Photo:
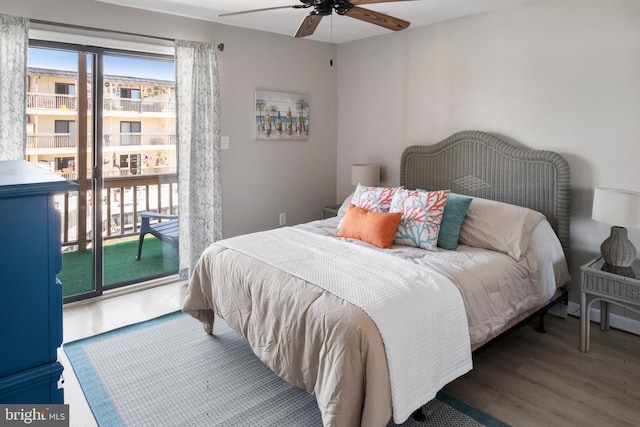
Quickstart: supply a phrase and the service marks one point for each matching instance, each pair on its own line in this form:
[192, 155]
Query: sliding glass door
[139, 164]
[105, 119]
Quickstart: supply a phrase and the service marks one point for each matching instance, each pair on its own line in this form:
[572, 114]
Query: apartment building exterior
[138, 124]
[138, 147]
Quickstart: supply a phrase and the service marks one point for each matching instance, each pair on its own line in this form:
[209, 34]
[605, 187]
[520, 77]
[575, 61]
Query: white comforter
[404, 299]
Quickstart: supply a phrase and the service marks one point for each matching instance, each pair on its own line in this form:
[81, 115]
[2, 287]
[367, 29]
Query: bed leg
[418, 415]
[541, 322]
[564, 299]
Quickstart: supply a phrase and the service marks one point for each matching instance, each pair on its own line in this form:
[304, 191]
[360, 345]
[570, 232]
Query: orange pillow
[372, 227]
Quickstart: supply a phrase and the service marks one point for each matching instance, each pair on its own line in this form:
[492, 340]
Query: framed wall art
[281, 116]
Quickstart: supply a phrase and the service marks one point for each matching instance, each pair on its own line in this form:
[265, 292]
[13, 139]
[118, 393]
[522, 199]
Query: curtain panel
[198, 135]
[14, 42]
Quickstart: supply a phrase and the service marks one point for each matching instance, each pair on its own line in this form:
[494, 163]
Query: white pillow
[345, 206]
[498, 226]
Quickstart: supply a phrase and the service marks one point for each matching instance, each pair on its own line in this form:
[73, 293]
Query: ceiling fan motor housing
[326, 7]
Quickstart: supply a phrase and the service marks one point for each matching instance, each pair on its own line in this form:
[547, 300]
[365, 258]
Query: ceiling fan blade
[359, 2]
[295, 6]
[309, 25]
[373, 17]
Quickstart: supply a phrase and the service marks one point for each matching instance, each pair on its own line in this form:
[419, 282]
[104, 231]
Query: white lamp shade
[365, 174]
[616, 207]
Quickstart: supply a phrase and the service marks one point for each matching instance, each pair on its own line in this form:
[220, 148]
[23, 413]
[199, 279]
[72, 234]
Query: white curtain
[198, 133]
[14, 41]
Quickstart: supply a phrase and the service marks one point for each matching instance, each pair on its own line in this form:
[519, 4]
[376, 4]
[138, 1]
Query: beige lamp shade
[616, 207]
[365, 174]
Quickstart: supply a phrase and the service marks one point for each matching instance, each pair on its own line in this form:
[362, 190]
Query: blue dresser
[30, 295]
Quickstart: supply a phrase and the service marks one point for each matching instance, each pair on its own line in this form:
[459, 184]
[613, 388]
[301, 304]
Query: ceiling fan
[349, 8]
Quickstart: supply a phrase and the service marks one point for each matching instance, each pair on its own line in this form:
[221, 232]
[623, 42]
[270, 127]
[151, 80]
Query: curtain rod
[220, 46]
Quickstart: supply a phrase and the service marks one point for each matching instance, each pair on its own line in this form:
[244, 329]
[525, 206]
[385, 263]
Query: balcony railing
[51, 101]
[138, 105]
[128, 139]
[40, 141]
[40, 101]
[123, 198]
[50, 141]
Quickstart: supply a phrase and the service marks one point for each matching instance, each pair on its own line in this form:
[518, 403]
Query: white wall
[560, 75]
[259, 179]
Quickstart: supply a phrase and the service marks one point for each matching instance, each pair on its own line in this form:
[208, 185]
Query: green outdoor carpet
[169, 372]
[120, 265]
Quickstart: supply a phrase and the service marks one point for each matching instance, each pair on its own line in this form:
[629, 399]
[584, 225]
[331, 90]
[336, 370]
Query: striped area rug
[168, 372]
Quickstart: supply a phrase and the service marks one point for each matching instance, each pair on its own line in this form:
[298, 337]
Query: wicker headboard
[478, 164]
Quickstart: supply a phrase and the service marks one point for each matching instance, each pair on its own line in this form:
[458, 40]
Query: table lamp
[619, 208]
[365, 174]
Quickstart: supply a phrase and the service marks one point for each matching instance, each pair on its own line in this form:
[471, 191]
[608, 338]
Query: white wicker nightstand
[607, 284]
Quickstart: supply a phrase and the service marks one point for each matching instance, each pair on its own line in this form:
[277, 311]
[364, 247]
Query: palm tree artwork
[274, 116]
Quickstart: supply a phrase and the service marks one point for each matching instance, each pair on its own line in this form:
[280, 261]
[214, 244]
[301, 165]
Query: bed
[375, 333]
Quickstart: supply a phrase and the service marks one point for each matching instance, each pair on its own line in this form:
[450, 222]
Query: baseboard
[615, 320]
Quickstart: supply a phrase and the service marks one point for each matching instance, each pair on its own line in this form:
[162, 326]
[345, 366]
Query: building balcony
[44, 143]
[120, 266]
[158, 259]
[47, 103]
[38, 101]
[138, 106]
[123, 198]
[121, 202]
[139, 139]
[49, 141]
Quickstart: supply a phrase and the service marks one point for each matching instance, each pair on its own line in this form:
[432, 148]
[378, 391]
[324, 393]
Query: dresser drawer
[33, 386]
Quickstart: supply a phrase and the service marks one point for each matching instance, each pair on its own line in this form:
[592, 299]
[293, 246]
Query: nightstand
[330, 211]
[607, 284]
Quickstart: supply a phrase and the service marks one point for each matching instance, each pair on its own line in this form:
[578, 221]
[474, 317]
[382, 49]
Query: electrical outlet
[283, 219]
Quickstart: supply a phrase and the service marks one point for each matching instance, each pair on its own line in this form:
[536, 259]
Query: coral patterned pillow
[421, 217]
[377, 199]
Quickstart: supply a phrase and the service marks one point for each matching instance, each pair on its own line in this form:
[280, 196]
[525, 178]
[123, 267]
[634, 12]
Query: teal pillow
[453, 215]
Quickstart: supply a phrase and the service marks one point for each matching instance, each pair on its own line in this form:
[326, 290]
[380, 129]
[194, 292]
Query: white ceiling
[334, 28]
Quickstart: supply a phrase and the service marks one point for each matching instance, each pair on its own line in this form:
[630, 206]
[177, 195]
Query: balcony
[138, 106]
[38, 101]
[123, 198]
[120, 266]
[139, 139]
[42, 142]
[56, 103]
[50, 141]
